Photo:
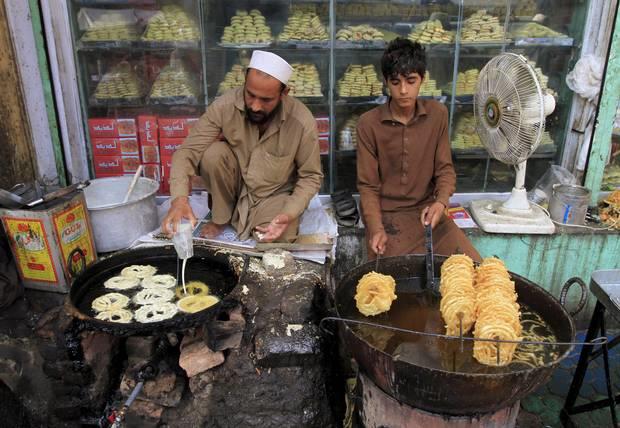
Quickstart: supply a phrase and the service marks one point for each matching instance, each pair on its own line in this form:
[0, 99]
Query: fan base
[492, 217]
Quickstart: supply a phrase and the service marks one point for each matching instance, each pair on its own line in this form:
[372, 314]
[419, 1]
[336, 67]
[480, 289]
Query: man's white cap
[271, 64]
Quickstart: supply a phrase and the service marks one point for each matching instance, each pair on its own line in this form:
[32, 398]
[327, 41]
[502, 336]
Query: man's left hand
[432, 214]
[275, 229]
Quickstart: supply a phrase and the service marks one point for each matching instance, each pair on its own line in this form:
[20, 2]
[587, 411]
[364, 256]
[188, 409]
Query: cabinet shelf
[136, 45]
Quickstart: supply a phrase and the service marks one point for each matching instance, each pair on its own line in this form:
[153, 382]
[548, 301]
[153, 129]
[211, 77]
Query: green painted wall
[549, 260]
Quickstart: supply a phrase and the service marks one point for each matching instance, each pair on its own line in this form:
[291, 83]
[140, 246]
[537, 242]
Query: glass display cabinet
[160, 63]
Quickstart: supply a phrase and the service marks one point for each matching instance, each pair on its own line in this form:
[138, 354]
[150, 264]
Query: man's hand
[378, 242]
[179, 209]
[273, 230]
[432, 214]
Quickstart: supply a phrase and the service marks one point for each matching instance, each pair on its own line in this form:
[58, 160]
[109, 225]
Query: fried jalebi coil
[375, 293]
[121, 283]
[498, 314]
[458, 297]
[156, 312]
[193, 288]
[150, 296]
[193, 304]
[159, 281]
[139, 271]
[110, 301]
[115, 315]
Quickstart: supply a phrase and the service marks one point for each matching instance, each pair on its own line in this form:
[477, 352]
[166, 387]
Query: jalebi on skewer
[375, 293]
[458, 297]
[498, 315]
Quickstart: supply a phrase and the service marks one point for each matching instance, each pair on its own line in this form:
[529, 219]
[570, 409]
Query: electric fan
[510, 106]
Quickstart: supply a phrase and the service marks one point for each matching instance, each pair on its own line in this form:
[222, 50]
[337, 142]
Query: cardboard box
[112, 128]
[152, 171]
[322, 124]
[167, 146]
[175, 127]
[115, 146]
[149, 154]
[166, 164]
[115, 165]
[324, 145]
[147, 130]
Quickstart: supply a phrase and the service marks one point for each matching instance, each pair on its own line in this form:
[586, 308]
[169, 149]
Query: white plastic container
[116, 225]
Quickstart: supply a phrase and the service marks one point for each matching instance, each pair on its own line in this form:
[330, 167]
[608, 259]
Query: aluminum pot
[116, 225]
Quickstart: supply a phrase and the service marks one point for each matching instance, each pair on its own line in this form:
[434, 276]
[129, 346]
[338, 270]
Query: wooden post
[17, 158]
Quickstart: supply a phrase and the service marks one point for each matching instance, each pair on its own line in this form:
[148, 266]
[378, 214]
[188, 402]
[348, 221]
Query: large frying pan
[439, 390]
[217, 270]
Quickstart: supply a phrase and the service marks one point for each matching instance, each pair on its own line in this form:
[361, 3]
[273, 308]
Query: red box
[166, 164]
[149, 154]
[115, 146]
[112, 128]
[147, 130]
[324, 145]
[116, 165]
[152, 171]
[322, 124]
[167, 146]
[175, 127]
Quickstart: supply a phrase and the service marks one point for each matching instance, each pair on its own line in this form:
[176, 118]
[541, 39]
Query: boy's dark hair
[403, 57]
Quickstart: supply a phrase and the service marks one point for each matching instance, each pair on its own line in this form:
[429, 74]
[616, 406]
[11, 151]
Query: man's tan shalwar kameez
[251, 177]
[401, 169]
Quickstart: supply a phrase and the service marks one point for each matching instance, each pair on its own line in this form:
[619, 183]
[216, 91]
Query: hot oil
[420, 312]
[219, 279]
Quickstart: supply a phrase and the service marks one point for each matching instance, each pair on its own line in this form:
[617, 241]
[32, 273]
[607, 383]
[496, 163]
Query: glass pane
[140, 66]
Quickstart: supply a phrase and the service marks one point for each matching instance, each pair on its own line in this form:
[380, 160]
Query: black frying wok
[216, 270]
[441, 390]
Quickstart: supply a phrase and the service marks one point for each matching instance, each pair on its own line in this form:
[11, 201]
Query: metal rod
[460, 315]
[497, 346]
[596, 341]
[377, 262]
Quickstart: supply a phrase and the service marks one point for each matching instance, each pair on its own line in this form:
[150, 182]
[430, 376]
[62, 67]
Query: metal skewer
[377, 262]
[460, 316]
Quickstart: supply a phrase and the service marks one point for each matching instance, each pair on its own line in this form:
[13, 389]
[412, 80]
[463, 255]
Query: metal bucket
[116, 225]
[569, 203]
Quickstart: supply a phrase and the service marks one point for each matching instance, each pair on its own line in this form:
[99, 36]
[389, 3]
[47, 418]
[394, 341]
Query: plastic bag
[585, 79]
[541, 193]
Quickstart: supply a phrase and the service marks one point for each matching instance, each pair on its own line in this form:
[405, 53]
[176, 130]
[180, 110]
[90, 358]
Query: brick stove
[262, 363]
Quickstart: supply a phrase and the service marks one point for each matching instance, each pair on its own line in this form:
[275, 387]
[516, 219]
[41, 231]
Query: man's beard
[260, 117]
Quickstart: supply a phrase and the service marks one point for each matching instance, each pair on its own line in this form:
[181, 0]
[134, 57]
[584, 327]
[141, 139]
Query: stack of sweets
[465, 135]
[348, 134]
[171, 24]
[466, 82]
[111, 26]
[120, 82]
[431, 32]
[358, 33]
[304, 81]
[481, 27]
[303, 26]
[429, 87]
[360, 81]
[247, 28]
[235, 78]
[174, 81]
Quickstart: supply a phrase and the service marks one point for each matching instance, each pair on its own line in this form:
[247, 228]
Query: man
[405, 175]
[263, 175]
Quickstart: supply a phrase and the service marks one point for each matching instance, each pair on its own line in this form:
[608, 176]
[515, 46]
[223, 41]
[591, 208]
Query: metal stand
[605, 301]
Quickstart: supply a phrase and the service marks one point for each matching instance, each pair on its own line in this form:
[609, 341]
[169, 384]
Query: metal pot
[218, 271]
[117, 224]
[440, 390]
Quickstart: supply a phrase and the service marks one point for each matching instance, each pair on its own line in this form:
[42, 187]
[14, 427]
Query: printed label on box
[129, 146]
[112, 128]
[31, 249]
[147, 130]
[322, 124]
[167, 146]
[324, 145]
[175, 127]
[106, 146]
[115, 165]
[152, 171]
[75, 239]
[150, 154]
